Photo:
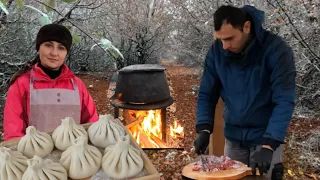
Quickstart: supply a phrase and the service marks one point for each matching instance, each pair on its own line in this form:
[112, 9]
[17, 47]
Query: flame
[176, 129]
[151, 125]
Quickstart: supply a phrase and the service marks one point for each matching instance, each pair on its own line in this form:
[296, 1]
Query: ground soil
[184, 82]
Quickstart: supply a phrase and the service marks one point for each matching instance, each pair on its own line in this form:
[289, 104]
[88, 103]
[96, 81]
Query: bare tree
[138, 28]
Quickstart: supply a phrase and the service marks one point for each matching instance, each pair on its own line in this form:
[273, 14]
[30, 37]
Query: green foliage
[105, 43]
[20, 3]
[76, 38]
[114, 52]
[3, 7]
[45, 20]
[69, 27]
[44, 17]
[3, 2]
[50, 4]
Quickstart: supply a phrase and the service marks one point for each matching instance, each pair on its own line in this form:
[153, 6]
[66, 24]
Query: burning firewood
[143, 138]
[158, 141]
[137, 121]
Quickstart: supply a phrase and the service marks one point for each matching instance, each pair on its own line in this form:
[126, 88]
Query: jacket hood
[258, 18]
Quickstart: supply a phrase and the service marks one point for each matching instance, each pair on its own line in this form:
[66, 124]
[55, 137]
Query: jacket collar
[39, 74]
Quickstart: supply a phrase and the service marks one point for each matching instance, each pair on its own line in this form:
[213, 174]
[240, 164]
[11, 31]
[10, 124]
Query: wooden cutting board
[233, 174]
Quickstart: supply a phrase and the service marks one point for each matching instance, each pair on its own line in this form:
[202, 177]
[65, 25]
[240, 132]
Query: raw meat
[214, 163]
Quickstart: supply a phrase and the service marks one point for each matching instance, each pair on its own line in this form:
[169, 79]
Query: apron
[49, 106]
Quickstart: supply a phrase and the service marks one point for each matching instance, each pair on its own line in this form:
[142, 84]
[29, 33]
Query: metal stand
[164, 124]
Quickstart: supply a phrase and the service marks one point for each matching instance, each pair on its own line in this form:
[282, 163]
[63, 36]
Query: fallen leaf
[313, 176]
[171, 155]
[154, 155]
[301, 172]
[184, 152]
[177, 175]
[291, 173]
[167, 162]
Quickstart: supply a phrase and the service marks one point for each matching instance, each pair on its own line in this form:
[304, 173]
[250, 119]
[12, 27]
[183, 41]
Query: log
[160, 143]
[143, 138]
[136, 122]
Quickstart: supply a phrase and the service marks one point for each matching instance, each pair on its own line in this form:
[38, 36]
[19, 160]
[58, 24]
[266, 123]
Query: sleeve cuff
[274, 144]
[201, 127]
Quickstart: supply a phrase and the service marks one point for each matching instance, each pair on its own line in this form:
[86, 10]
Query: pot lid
[142, 68]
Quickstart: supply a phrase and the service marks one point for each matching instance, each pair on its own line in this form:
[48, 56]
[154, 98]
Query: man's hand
[267, 146]
[261, 160]
[201, 142]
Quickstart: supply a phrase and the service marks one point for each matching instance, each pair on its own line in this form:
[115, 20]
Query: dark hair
[27, 67]
[230, 15]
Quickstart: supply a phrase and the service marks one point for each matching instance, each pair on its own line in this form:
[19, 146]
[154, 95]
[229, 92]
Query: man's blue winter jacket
[257, 87]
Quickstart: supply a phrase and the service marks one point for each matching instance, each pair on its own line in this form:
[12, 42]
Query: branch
[75, 26]
[304, 87]
[15, 64]
[194, 26]
[3, 16]
[297, 31]
[314, 65]
[87, 5]
[8, 42]
[68, 14]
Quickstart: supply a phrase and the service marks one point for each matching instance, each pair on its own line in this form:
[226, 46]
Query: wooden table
[254, 178]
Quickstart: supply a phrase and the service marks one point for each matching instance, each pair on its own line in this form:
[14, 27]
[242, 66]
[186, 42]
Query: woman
[46, 90]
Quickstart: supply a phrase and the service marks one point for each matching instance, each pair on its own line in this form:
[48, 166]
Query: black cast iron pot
[142, 86]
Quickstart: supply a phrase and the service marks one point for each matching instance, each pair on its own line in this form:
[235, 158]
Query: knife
[203, 161]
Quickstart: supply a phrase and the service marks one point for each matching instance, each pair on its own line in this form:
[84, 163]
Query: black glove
[277, 172]
[261, 160]
[201, 142]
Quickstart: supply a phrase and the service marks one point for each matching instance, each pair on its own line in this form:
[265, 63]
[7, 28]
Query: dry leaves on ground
[184, 82]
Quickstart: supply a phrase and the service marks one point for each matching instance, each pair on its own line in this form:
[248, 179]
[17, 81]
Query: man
[253, 71]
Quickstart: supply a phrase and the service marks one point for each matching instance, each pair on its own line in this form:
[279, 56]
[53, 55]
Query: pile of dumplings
[79, 159]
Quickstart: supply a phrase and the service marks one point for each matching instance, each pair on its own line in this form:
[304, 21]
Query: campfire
[149, 129]
[140, 100]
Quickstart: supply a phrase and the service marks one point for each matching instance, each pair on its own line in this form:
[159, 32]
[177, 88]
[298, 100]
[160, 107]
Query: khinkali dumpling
[122, 160]
[66, 133]
[35, 143]
[105, 131]
[12, 164]
[81, 160]
[39, 169]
